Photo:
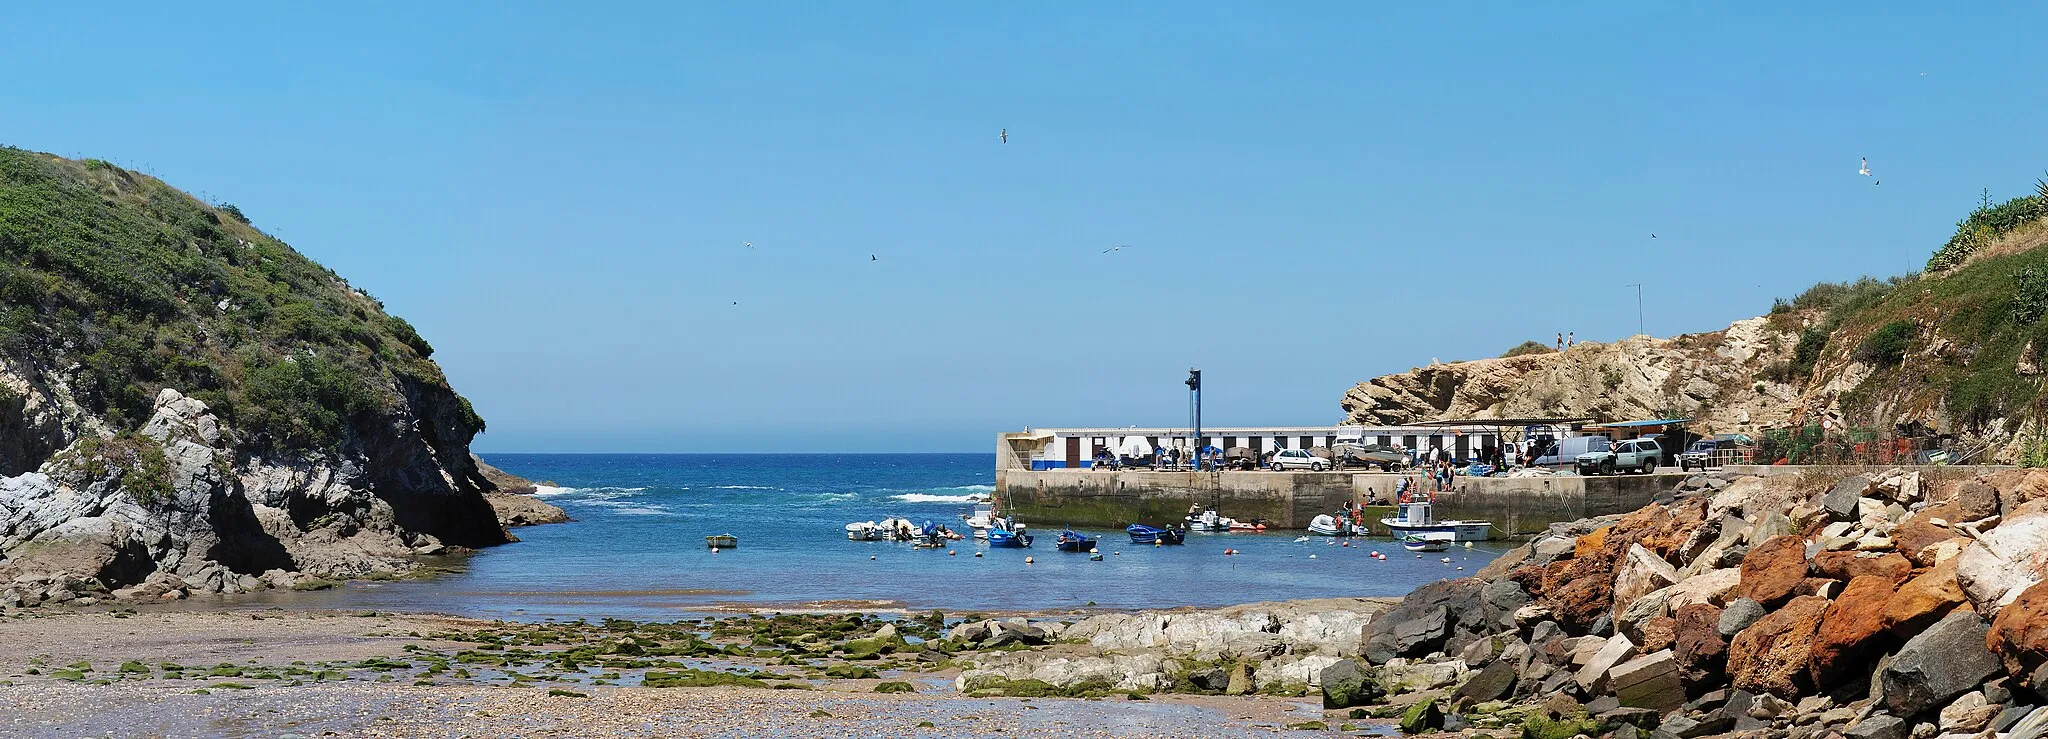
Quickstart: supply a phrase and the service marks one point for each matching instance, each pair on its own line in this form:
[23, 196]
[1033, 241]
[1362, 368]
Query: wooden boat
[1070, 541]
[1142, 534]
[721, 541]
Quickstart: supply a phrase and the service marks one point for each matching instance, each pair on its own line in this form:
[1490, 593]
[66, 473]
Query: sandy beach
[186, 673]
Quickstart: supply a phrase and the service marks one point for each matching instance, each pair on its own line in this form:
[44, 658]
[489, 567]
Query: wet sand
[277, 673]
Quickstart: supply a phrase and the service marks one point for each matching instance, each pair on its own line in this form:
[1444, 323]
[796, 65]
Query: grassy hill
[118, 285]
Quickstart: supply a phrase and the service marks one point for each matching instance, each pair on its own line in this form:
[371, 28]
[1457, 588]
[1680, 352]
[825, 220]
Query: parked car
[1564, 452]
[1286, 459]
[1641, 455]
[1715, 451]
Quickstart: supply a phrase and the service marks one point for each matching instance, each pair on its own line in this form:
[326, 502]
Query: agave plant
[2041, 186]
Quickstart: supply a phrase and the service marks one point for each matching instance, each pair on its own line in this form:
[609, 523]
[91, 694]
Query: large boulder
[1773, 654]
[1976, 500]
[1426, 620]
[2019, 635]
[1773, 570]
[1699, 648]
[1739, 615]
[1940, 663]
[1840, 503]
[2005, 560]
[1710, 587]
[1852, 629]
[1641, 574]
[1924, 600]
[1648, 681]
[1349, 683]
[1492, 683]
[1614, 651]
[1847, 566]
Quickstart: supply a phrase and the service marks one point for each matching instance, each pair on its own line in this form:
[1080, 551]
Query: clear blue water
[636, 548]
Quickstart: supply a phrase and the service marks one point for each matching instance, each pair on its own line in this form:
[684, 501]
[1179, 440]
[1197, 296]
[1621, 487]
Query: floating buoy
[950, 553]
[1461, 567]
[1468, 545]
[1094, 550]
[1375, 553]
[977, 554]
[1155, 542]
[1117, 553]
[1027, 560]
[870, 557]
[1311, 556]
[1447, 560]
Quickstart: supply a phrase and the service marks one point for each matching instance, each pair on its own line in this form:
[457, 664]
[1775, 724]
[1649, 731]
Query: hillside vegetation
[143, 287]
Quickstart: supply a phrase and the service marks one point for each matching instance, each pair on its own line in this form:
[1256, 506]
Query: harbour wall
[1517, 506]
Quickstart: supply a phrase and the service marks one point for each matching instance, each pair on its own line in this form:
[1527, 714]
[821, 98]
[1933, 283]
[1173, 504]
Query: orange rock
[1852, 630]
[1772, 570]
[1848, 566]
[1658, 634]
[2019, 635]
[1923, 600]
[1914, 535]
[1587, 545]
[1698, 646]
[1773, 654]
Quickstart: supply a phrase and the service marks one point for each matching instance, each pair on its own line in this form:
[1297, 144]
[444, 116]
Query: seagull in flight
[1005, 135]
[1653, 236]
[1118, 247]
[749, 244]
[1865, 170]
[873, 258]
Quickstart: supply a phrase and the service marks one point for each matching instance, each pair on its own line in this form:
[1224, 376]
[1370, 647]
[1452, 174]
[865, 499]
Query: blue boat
[1002, 537]
[1142, 534]
[1073, 542]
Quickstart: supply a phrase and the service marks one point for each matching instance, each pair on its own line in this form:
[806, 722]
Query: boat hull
[1075, 543]
[1459, 530]
[724, 541]
[1007, 539]
[1149, 535]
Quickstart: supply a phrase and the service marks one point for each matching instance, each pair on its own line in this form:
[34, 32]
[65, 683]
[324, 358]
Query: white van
[1567, 450]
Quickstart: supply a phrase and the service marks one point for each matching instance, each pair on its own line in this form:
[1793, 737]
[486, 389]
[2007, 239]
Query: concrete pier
[1517, 506]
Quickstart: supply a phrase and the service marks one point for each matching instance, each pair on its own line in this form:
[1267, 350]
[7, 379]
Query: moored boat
[981, 519]
[1328, 525]
[863, 531]
[1433, 542]
[1011, 536]
[721, 541]
[1071, 541]
[1417, 517]
[1142, 534]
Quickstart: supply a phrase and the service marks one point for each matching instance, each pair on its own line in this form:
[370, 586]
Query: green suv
[1640, 455]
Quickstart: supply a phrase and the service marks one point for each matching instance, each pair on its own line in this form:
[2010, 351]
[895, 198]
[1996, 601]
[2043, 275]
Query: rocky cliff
[190, 403]
[1955, 351]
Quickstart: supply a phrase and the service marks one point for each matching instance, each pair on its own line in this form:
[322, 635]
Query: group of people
[1565, 340]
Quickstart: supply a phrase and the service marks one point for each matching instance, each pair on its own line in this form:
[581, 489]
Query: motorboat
[1013, 536]
[899, 529]
[1328, 525]
[978, 522]
[1071, 541]
[721, 541]
[1418, 517]
[1208, 521]
[1430, 542]
[863, 531]
[1142, 534]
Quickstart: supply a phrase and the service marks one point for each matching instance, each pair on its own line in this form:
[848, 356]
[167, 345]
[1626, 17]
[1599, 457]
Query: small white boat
[1328, 525]
[899, 529]
[981, 519]
[863, 531]
[1416, 517]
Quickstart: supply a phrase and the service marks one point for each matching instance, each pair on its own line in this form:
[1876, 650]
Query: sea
[636, 548]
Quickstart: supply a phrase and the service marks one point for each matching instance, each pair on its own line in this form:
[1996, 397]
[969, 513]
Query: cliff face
[183, 396]
[1713, 376]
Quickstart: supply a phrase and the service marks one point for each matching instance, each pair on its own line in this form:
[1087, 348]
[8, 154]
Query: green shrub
[2030, 295]
[1804, 354]
[233, 212]
[1886, 347]
[1985, 224]
[1527, 348]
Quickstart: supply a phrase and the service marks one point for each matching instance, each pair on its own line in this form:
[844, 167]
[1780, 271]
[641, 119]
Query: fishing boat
[1070, 541]
[863, 531]
[1009, 535]
[721, 541]
[1208, 521]
[898, 529]
[1432, 542]
[1328, 525]
[1142, 534]
[1417, 517]
[981, 519]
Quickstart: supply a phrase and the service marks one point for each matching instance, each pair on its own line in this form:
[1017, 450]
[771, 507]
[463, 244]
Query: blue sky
[1315, 193]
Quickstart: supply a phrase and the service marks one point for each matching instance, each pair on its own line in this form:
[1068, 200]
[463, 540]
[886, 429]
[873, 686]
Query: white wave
[551, 491]
[742, 487]
[929, 498]
[639, 510]
[982, 488]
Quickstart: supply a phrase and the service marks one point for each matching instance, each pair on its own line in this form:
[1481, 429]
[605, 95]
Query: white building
[1076, 448]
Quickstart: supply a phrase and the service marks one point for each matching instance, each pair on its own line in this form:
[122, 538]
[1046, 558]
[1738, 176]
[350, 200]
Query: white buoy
[977, 554]
[1447, 560]
[1094, 550]
[951, 553]
[1027, 560]
[1468, 545]
[1311, 556]
[871, 557]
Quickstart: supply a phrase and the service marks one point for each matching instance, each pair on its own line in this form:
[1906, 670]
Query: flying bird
[1865, 170]
[1118, 247]
[749, 244]
[1005, 135]
[1653, 236]
[873, 258]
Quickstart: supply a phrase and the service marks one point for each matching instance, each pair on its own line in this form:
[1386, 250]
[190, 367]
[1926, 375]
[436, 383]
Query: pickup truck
[1640, 455]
